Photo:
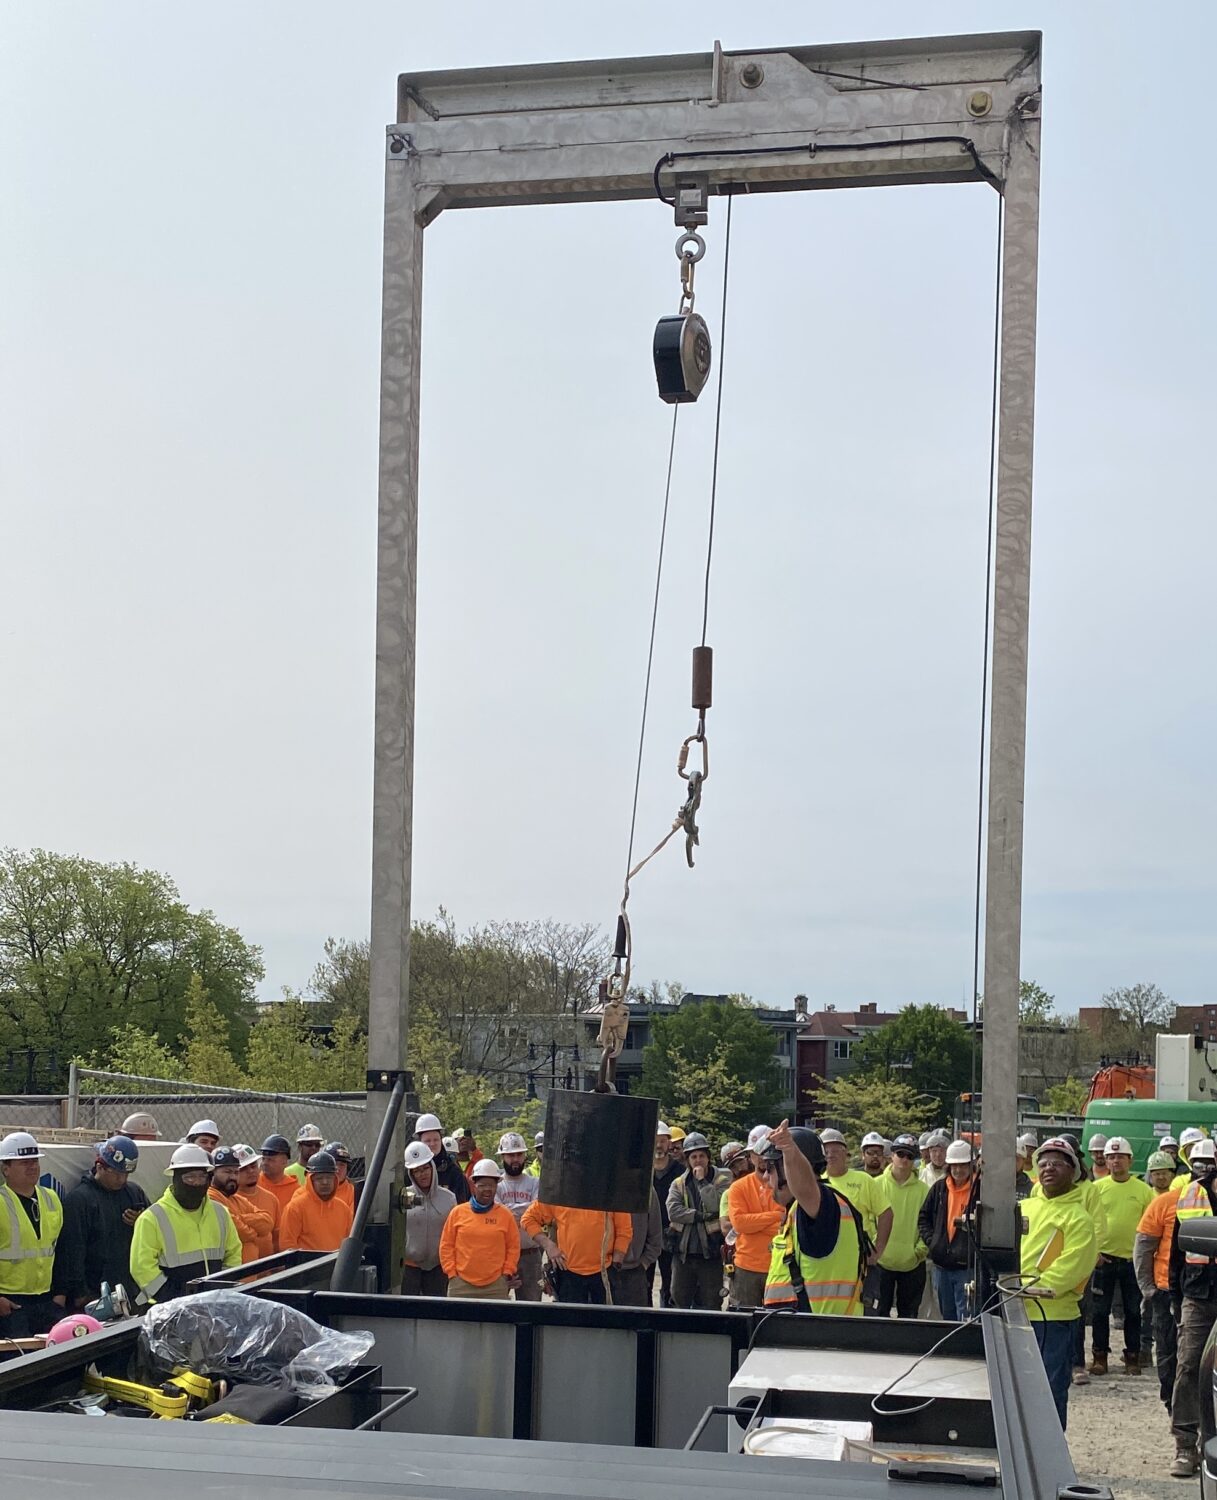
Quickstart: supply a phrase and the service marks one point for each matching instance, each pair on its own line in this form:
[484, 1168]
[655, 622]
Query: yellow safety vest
[26, 1258]
[832, 1282]
[170, 1247]
[1194, 1204]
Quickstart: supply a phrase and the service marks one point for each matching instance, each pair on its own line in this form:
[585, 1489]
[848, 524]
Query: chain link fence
[101, 1101]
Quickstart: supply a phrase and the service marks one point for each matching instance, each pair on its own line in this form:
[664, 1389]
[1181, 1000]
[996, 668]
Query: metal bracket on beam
[381, 1080]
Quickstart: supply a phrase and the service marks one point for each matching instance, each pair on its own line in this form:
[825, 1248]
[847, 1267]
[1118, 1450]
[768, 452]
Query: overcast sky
[190, 240]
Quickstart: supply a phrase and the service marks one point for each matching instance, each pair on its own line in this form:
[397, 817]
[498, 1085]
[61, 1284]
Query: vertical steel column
[1008, 711]
[396, 579]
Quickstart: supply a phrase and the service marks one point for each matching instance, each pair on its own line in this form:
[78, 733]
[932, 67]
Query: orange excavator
[1122, 1081]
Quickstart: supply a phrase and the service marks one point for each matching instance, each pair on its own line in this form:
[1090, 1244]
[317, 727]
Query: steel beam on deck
[936, 110]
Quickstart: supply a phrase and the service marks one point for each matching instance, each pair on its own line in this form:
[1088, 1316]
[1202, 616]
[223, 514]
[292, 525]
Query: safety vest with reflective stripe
[1194, 1203]
[831, 1283]
[172, 1247]
[26, 1257]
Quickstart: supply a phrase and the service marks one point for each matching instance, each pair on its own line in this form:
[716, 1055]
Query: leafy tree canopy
[727, 1042]
[857, 1103]
[925, 1048]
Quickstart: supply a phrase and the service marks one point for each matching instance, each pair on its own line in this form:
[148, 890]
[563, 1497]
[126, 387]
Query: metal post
[1008, 713]
[73, 1095]
[397, 539]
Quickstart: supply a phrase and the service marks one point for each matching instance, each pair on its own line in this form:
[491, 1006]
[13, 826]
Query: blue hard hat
[120, 1153]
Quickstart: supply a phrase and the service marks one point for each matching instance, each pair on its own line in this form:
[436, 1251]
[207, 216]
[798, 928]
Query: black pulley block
[682, 356]
[599, 1150]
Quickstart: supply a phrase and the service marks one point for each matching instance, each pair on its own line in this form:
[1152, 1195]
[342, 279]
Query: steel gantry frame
[937, 110]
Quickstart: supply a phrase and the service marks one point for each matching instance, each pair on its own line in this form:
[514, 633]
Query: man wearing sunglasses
[901, 1268]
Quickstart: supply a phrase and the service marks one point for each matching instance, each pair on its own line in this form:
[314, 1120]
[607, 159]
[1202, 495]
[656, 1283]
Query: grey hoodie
[425, 1224]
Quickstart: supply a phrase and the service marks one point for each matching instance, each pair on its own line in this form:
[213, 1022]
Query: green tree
[857, 1103]
[87, 947]
[925, 1048]
[1068, 1098]
[1036, 1007]
[129, 1050]
[207, 1057]
[457, 1097]
[705, 1095]
[1133, 1015]
[714, 1030]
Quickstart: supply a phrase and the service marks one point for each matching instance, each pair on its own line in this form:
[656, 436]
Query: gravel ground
[1119, 1434]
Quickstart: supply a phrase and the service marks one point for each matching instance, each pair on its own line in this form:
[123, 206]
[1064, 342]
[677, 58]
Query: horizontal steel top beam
[936, 110]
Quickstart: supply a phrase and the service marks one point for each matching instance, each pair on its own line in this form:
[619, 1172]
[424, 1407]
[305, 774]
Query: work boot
[1098, 1364]
[1081, 1376]
[1186, 1464]
[1132, 1364]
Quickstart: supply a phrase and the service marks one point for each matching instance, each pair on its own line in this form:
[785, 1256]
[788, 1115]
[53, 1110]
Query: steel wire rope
[718, 419]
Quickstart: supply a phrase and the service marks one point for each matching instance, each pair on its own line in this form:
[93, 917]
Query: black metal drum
[599, 1150]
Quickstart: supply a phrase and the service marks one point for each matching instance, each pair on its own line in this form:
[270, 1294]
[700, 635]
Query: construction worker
[538, 1145]
[628, 1281]
[665, 1169]
[1028, 1144]
[864, 1192]
[204, 1133]
[940, 1227]
[1193, 1284]
[428, 1129]
[276, 1153]
[694, 1212]
[255, 1226]
[1093, 1202]
[934, 1168]
[1097, 1146]
[582, 1244]
[251, 1191]
[342, 1160]
[31, 1218]
[1188, 1140]
[309, 1141]
[901, 1267]
[427, 1208]
[99, 1217]
[1170, 1145]
[183, 1235]
[816, 1260]
[677, 1146]
[874, 1154]
[754, 1216]
[1152, 1262]
[480, 1246]
[1125, 1198]
[139, 1127]
[736, 1158]
[1057, 1252]
[467, 1153]
[316, 1218]
[517, 1191]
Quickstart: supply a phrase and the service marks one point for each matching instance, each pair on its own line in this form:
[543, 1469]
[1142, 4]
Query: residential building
[826, 1043]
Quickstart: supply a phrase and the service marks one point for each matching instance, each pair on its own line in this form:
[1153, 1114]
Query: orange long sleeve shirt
[479, 1248]
[308, 1223]
[756, 1218]
[267, 1203]
[284, 1190]
[251, 1220]
[581, 1233]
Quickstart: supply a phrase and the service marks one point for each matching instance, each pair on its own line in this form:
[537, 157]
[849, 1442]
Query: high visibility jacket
[756, 1217]
[830, 1284]
[865, 1193]
[313, 1223]
[905, 1249]
[1192, 1274]
[1123, 1203]
[297, 1171]
[284, 1190]
[1092, 1200]
[1057, 1253]
[26, 1258]
[533, 1169]
[255, 1224]
[172, 1247]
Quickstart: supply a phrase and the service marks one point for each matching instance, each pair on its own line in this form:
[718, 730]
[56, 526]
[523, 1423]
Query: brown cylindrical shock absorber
[703, 678]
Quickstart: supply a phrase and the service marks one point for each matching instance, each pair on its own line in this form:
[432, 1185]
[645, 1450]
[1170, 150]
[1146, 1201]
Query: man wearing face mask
[184, 1234]
[252, 1222]
[316, 1218]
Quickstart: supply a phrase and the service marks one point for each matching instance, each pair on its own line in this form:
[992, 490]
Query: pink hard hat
[75, 1327]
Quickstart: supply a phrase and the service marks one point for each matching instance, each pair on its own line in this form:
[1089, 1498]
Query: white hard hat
[1117, 1146]
[731, 1150]
[1191, 1135]
[309, 1133]
[139, 1124]
[959, 1151]
[512, 1141]
[938, 1138]
[418, 1155]
[758, 1134]
[1167, 1140]
[246, 1155]
[487, 1167]
[1205, 1150]
[831, 1138]
[539, 1138]
[871, 1138]
[187, 1157]
[1096, 1143]
[19, 1146]
[204, 1127]
[427, 1122]
[449, 1144]
[1027, 1141]
[662, 1129]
